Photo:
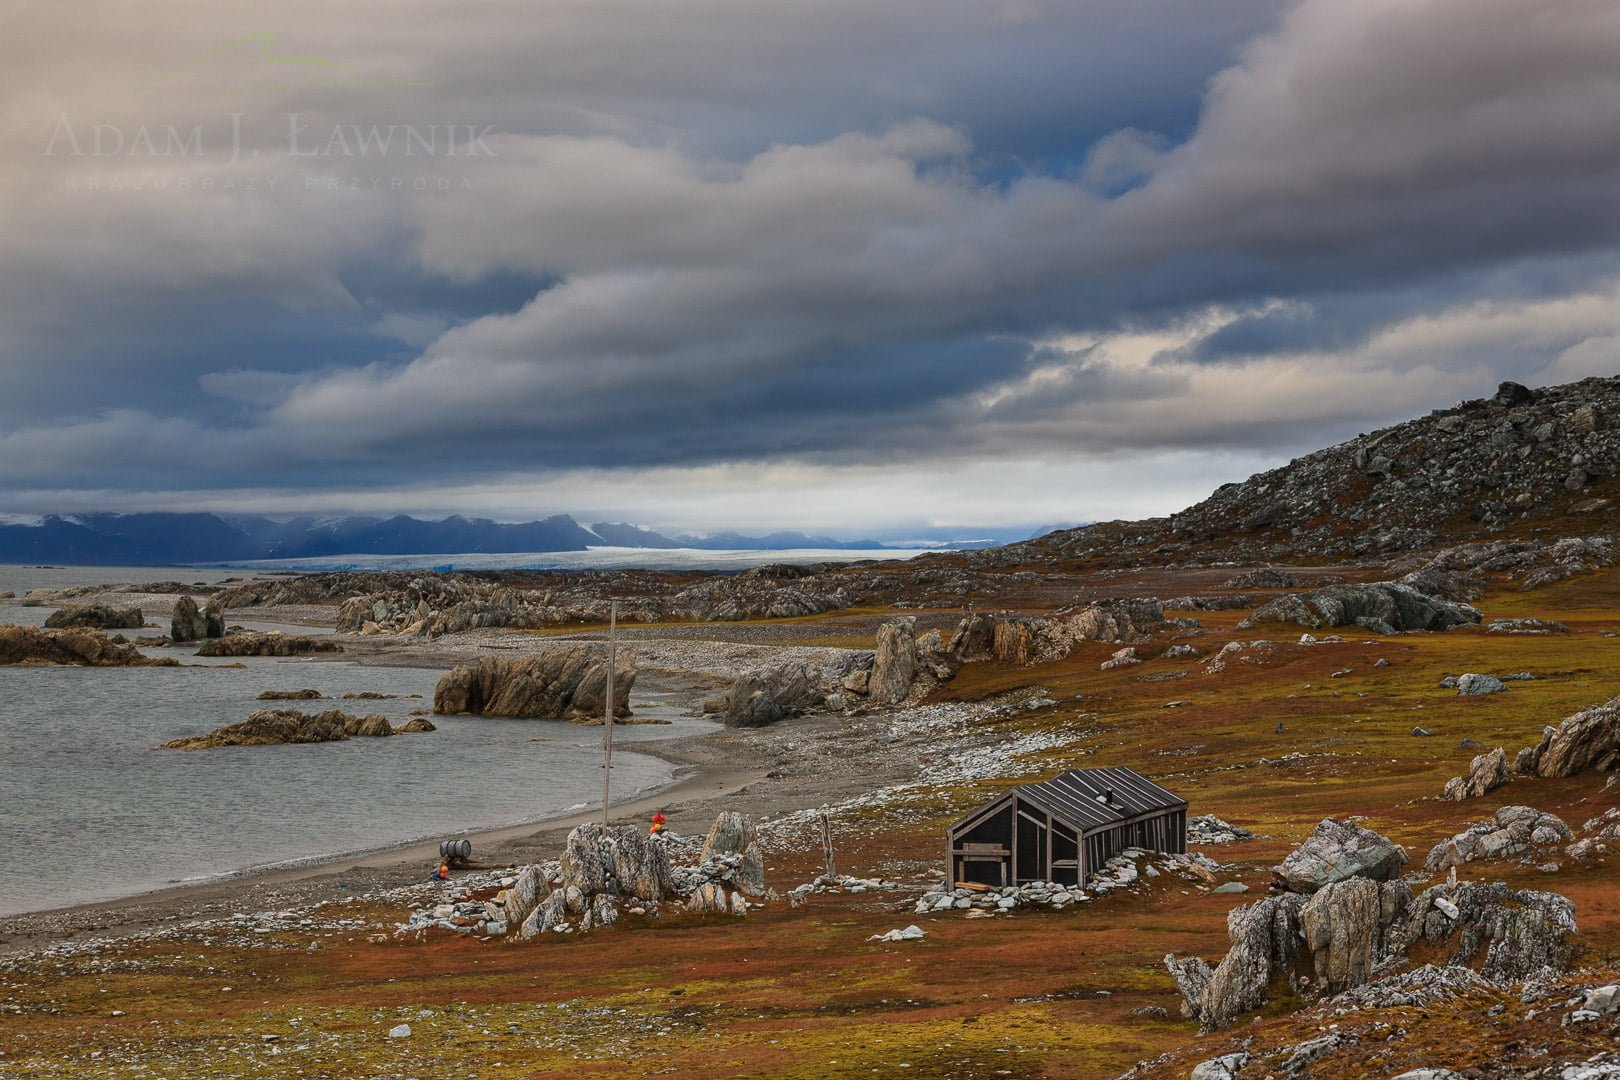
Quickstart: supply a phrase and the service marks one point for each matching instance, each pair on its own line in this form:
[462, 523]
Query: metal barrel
[455, 849]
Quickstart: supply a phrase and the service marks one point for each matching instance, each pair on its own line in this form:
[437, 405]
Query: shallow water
[93, 809]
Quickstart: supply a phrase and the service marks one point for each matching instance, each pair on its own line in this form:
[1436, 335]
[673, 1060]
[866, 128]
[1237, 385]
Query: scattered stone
[1209, 829]
[1421, 732]
[910, 933]
[1229, 888]
[402, 1031]
[1125, 657]
[1526, 626]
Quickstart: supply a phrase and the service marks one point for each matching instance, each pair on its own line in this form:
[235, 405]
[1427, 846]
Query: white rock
[403, 1031]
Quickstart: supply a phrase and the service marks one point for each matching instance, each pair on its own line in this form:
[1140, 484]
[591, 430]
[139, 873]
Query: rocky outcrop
[1589, 739]
[603, 868]
[267, 644]
[1341, 925]
[290, 695]
[1353, 927]
[1513, 831]
[1505, 934]
[187, 623]
[1015, 638]
[1459, 473]
[1487, 772]
[278, 727]
[96, 617]
[894, 662]
[1335, 851]
[732, 834]
[564, 682]
[758, 700]
[31, 645]
[1386, 607]
[415, 725]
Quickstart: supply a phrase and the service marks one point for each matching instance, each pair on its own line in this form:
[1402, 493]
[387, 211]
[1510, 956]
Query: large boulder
[761, 699]
[186, 622]
[96, 617]
[1487, 772]
[278, 727]
[1589, 739]
[567, 682]
[31, 645]
[267, 644]
[1384, 607]
[1335, 851]
[894, 664]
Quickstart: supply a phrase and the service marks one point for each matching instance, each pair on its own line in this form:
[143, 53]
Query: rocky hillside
[1519, 462]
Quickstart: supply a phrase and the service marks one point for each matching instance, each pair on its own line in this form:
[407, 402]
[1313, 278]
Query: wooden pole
[607, 709]
[827, 847]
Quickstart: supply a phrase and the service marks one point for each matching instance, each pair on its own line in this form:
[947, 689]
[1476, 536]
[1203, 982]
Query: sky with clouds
[895, 269]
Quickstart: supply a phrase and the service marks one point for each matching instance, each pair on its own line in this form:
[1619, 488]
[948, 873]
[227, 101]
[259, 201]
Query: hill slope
[1519, 462]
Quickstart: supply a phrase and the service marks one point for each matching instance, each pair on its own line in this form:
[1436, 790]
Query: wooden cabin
[1064, 829]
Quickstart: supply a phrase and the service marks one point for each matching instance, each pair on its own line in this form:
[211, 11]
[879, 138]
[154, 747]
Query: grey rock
[1473, 684]
[1339, 850]
[1486, 773]
[894, 666]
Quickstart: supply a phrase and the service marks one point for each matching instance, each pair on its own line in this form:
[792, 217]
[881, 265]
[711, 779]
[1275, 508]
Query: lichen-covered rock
[90, 648]
[1339, 850]
[1589, 739]
[96, 617]
[758, 700]
[1382, 606]
[1487, 772]
[1265, 939]
[1512, 831]
[186, 622]
[1506, 934]
[894, 664]
[1341, 924]
[733, 834]
[562, 682]
[524, 895]
[1473, 684]
[1123, 621]
[1125, 657]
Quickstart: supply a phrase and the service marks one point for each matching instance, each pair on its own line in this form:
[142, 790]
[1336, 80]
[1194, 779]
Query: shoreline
[392, 865]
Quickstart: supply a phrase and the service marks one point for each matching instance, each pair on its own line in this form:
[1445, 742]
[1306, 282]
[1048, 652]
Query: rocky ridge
[1483, 465]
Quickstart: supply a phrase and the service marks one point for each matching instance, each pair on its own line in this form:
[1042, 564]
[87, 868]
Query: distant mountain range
[111, 539]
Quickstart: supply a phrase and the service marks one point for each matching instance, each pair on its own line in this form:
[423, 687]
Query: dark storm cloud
[830, 234]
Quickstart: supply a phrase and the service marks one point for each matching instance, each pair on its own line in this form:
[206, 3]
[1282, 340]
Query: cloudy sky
[893, 269]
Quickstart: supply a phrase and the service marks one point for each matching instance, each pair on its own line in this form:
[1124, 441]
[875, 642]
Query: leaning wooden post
[607, 708]
[827, 848]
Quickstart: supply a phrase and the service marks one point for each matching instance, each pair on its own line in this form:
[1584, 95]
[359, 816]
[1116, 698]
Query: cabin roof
[1075, 798]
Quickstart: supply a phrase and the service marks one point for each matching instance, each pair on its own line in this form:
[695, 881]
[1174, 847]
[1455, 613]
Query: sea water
[92, 808]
